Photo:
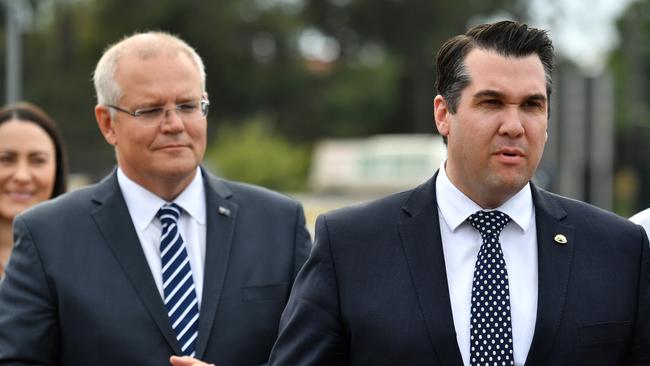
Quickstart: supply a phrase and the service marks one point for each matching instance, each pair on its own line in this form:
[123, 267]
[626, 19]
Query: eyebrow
[497, 94]
[39, 152]
[30, 153]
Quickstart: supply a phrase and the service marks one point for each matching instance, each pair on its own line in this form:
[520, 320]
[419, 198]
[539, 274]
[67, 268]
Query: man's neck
[166, 188]
[169, 190]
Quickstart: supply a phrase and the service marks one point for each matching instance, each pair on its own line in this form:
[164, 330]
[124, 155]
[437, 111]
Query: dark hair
[28, 112]
[507, 38]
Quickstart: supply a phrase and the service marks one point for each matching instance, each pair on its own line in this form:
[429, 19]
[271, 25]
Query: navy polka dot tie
[490, 324]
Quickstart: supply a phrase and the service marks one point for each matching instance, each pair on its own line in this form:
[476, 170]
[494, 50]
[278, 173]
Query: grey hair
[108, 90]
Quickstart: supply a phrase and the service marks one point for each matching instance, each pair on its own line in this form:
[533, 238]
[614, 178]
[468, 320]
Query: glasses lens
[188, 112]
[150, 115]
[205, 107]
[192, 111]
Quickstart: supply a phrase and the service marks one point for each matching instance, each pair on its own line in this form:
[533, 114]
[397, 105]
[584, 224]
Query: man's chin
[178, 170]
[509, 183]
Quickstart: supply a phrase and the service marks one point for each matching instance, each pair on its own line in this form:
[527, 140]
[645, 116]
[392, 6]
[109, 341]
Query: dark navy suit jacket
[374, 290]
[78, 289]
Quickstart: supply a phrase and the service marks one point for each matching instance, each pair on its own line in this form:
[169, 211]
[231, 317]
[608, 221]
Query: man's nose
[172, 121]
[512, 123]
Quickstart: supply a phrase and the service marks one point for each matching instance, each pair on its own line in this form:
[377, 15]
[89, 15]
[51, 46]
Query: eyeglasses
[188, 112]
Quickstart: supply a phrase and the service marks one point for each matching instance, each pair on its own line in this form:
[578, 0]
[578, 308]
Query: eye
[7, 159]
[490, 103]
[533, 104]
[152, 112]
[38, 159]
[188, 107]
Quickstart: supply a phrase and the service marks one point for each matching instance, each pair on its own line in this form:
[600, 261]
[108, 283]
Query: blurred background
[330, 101]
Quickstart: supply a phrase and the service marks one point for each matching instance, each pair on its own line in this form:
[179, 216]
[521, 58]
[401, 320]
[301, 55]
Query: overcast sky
[582, 30]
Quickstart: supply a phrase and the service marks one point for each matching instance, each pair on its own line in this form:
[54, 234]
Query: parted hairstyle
[28, 112]
[507, 38]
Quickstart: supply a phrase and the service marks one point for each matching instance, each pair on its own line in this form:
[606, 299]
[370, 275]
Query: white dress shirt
[143, 206]
[461, 243]
[642, 218]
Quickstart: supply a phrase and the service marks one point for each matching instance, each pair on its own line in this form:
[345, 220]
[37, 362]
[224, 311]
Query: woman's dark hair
[28, 112]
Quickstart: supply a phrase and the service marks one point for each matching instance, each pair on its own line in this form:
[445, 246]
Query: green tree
[410, 31]
[254, 153]
[630, 64]
[381, 82]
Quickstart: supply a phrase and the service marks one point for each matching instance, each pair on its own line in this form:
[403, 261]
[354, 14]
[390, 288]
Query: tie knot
[489, 223]
[169, 212]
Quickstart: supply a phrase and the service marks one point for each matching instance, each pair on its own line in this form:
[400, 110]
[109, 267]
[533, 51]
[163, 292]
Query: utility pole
[19, 19]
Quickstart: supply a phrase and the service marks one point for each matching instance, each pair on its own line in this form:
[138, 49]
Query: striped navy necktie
[179, 292]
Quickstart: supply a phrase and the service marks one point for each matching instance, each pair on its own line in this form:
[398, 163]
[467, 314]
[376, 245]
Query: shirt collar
[455, 207]
[192, 199]
[143, 205]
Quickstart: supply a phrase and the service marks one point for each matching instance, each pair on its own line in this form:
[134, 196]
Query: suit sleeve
[311, 327]
[28, 320]
[640, 350]
[302, 242]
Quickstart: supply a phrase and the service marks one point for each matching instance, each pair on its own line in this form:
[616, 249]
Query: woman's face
[27, 167]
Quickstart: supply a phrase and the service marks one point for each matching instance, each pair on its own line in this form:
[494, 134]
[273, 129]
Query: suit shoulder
[62, 205]
[260, 195]
[590, 214]
[377, 210]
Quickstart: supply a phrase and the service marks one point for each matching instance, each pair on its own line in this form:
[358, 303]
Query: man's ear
[441, 114]
[106, 123]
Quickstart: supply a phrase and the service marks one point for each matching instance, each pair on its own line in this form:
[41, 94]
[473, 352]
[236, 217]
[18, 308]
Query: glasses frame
[204, 105]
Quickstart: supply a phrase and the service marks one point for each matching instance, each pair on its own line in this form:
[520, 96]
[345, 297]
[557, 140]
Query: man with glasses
[160, 258]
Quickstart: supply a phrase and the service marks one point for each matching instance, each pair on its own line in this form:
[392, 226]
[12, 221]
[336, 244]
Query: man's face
[497, 135]
[164, 153]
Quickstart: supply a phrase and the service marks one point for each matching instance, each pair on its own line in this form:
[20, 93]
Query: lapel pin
[224, 211]
[560, 239]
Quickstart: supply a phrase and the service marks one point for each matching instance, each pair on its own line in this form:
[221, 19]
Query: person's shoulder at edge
[642, 218]
[377, 205]
[247, 192]
[585, 213]
[377, 215]
[66, 201]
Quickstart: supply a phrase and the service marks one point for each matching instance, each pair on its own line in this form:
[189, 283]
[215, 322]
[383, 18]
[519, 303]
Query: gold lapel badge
[560, 239]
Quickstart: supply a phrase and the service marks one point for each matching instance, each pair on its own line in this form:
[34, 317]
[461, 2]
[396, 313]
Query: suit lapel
[420, 234]
[114, 221]
[221, 218]
[554, 263]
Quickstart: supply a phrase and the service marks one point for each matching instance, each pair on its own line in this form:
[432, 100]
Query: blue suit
[374, 290]
[79, 291]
